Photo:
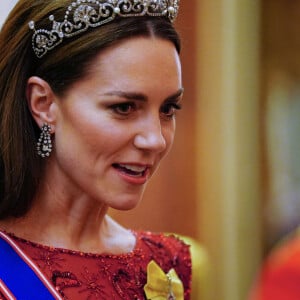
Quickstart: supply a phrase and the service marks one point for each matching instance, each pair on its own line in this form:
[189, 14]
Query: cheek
[169, 135]
[88, 137]
[81, 123]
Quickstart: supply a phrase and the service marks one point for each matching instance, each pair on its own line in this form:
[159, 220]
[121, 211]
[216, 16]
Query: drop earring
[44, 145]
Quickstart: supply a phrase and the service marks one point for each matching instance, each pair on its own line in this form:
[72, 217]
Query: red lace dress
[78, 275]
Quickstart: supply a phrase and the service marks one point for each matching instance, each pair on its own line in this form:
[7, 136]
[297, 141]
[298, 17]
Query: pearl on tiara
[84, 14]
[117, 10]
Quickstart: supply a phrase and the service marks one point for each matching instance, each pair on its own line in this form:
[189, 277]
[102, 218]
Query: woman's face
[114, 126]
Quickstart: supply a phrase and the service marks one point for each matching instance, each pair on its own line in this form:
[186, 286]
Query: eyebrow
[143, 97]
[175, 96]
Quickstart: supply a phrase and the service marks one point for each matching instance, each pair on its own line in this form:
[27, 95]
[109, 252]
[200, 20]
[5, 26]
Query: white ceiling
[6, 6]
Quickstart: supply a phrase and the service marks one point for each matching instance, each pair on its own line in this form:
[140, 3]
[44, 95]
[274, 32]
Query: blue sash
[19, 277]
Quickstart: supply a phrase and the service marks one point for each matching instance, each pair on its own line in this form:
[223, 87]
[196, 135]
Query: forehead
[138, 58]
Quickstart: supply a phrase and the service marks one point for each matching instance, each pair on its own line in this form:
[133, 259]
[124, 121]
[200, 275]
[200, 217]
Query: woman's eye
[123, 109]
[169, 109]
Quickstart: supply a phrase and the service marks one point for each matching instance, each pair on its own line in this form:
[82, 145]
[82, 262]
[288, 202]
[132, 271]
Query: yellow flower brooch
[161, 286]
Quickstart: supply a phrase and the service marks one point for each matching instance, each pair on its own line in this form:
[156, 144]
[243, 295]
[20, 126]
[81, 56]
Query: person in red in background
[279, 278]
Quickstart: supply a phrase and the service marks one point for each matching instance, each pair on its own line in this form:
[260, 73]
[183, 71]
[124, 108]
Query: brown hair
[20, 168]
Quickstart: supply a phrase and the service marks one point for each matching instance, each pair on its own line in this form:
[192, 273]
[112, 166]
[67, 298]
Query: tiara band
[84, 14]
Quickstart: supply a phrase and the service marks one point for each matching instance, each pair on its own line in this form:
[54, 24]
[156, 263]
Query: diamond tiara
[84, 14]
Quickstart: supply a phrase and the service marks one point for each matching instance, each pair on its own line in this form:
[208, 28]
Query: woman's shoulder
[167, 241]
[168, 250]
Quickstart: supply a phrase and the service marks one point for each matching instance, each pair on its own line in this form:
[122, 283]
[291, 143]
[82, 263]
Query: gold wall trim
[228, 143]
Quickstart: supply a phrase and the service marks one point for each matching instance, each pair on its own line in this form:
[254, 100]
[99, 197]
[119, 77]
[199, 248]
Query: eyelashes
[126, 109]
[169, 109]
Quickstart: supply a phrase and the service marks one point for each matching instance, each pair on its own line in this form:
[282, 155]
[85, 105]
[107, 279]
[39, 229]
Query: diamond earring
[44, 145]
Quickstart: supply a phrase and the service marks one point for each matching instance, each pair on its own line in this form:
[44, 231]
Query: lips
[131, 169]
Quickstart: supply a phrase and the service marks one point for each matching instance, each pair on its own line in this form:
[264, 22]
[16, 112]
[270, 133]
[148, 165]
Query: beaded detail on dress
[78, 275]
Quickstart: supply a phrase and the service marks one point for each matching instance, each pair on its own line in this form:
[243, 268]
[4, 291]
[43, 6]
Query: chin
[127, 203]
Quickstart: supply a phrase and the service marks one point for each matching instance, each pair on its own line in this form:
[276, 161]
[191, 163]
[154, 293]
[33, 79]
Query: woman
[88, 96]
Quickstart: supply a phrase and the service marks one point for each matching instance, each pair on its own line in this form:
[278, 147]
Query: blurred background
[232, 179]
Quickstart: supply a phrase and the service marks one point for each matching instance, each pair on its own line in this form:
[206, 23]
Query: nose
[150, 136]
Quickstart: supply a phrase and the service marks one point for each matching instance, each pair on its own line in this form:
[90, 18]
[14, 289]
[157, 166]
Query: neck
[78, 224]
[67, 223]
[64, 217]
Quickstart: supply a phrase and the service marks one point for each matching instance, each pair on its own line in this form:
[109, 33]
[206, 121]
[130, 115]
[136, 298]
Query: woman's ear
[41, 101]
